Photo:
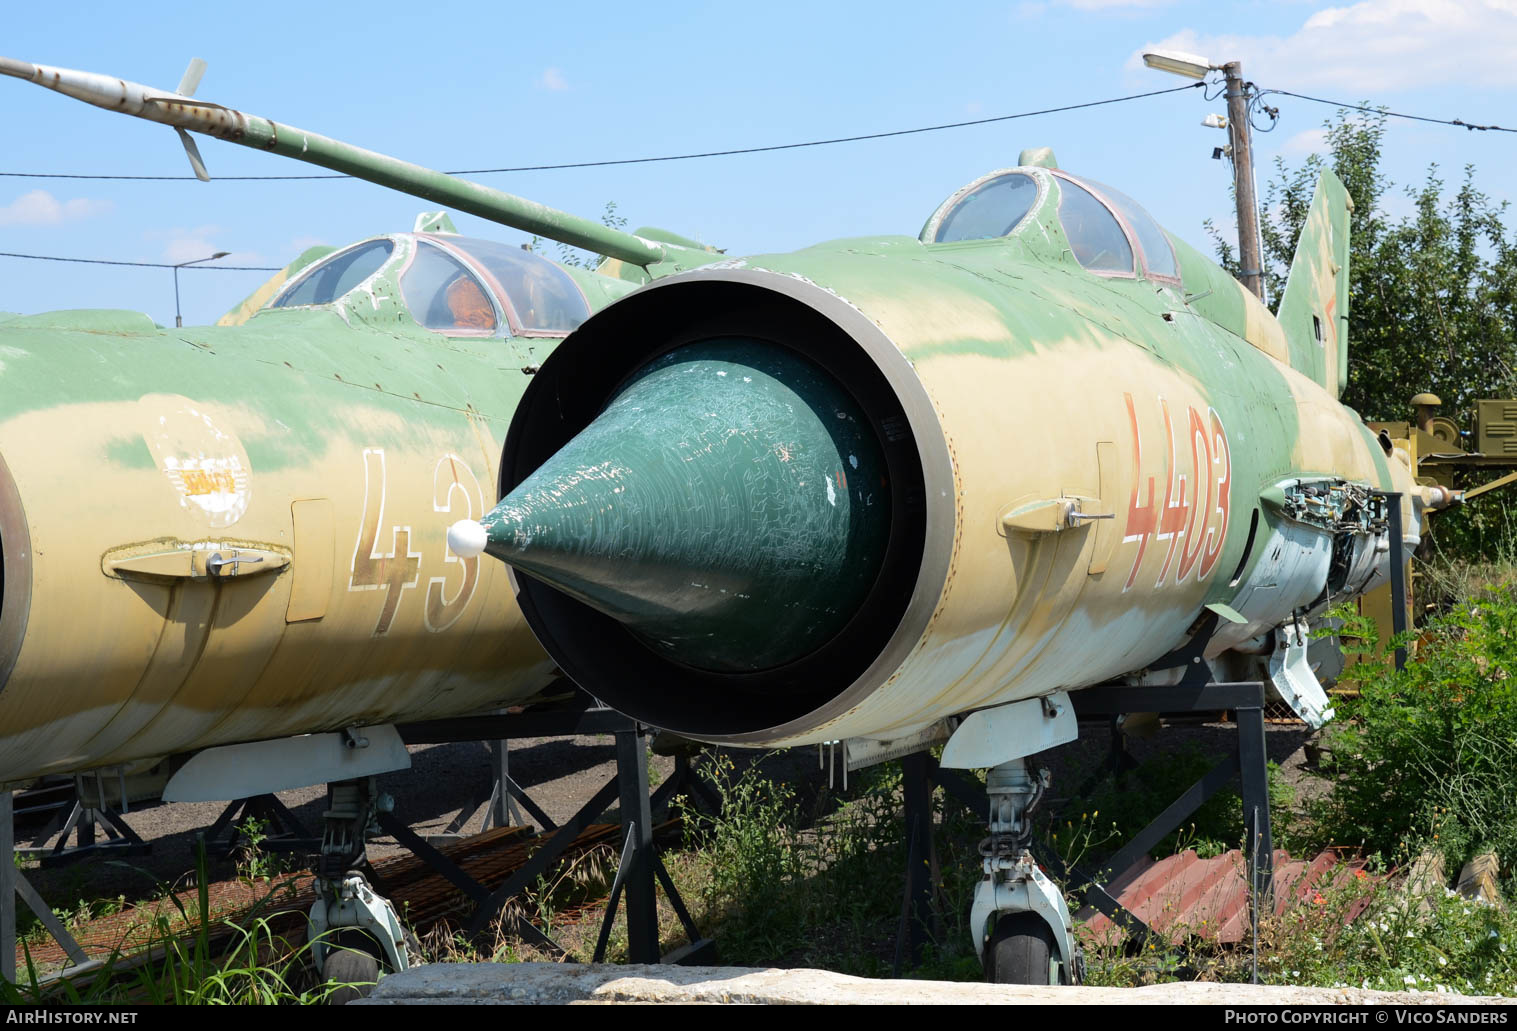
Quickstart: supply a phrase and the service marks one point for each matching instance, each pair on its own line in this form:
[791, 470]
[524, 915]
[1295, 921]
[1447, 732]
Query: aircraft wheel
[352, 963]
[1021, 951]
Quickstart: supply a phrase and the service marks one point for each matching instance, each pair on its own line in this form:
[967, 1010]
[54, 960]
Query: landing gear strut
[354, 931]
[1021, 926]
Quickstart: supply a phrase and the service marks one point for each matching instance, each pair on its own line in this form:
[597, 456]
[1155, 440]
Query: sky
[464, 85]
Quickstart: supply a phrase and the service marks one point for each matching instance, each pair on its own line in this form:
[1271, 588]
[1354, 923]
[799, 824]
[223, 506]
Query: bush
[1427, 757]
[787, 890]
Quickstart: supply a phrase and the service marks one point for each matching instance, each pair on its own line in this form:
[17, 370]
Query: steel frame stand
[286, 832]
[501, 805]
[46, 804]
[640, 868]
[1247, 761]
[1398, 569]
[81, 818]
[919, 775]
[13, 883]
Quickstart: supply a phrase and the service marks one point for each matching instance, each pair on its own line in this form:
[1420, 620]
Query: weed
[1426, 758]
[256, 863]
[796, 892]
[182, 967]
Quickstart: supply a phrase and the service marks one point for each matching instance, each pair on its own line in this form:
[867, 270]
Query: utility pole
[1194, 66]
[1250, 258]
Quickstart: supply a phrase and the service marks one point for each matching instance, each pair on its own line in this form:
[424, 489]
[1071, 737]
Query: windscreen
[990, 210]
[335, 276]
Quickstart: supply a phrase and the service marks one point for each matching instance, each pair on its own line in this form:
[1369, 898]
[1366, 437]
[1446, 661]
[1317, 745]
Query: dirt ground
[560, 774]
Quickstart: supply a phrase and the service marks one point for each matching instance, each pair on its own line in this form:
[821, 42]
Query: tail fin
[1314, 310]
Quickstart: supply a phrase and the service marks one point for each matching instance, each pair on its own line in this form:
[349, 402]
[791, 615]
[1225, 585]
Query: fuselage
[325, 446]
[1037, 361]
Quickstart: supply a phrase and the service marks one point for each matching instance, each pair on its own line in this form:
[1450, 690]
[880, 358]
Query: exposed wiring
[647, 160]
[1257, 106]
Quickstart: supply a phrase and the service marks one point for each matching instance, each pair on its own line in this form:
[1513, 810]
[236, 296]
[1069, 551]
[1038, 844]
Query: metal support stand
[1247, 761]
[1398, 571]
[285, 831]
[501, 804]
[82, 817]
[8, 876]
[640, 868]
[12, 883]
[501, 810]
[636, 869]
[43, 806]
[918, 773]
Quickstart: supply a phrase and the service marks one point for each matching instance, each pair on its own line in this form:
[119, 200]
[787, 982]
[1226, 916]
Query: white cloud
[188, 244]
[553, 79]
[198, 242]
[40, 208]
[1311, 141]
[1373, 47]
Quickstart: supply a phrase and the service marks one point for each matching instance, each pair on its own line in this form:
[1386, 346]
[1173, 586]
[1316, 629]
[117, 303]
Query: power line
[148, 264]
[647, 160]
[1472, 126]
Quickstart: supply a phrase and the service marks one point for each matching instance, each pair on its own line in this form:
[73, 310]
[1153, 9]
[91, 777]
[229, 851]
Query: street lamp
[178, 319]
[1193, 66]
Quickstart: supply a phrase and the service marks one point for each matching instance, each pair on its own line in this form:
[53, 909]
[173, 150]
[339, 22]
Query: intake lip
[16, 575]
[592, 365]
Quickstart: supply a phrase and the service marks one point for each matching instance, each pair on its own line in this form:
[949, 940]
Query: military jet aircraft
[898, 490]
[884, 491]
[230, 542]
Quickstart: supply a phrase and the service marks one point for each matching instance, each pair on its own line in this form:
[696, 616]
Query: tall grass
[260, 966]
[818, 888]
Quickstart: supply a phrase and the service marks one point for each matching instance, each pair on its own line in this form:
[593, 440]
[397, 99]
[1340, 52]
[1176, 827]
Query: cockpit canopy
[457, 285]
[1109, 233]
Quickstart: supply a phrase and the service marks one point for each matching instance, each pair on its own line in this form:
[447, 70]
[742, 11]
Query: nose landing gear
[1023, 932]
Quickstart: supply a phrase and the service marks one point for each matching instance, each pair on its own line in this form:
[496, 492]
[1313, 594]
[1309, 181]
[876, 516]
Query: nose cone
[729, 507]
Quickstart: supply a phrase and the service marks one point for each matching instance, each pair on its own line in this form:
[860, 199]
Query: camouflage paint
[338, 440]
[1170, 406]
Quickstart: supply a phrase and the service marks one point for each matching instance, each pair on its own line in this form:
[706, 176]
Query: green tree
[1432, 298]
[1432, 295]
[584, 259]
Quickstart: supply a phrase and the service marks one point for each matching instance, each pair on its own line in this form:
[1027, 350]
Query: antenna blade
[191, 81]
[193, 153]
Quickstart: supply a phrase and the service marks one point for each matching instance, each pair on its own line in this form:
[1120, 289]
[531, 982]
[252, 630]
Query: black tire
[1020, 951]
[353, 964]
